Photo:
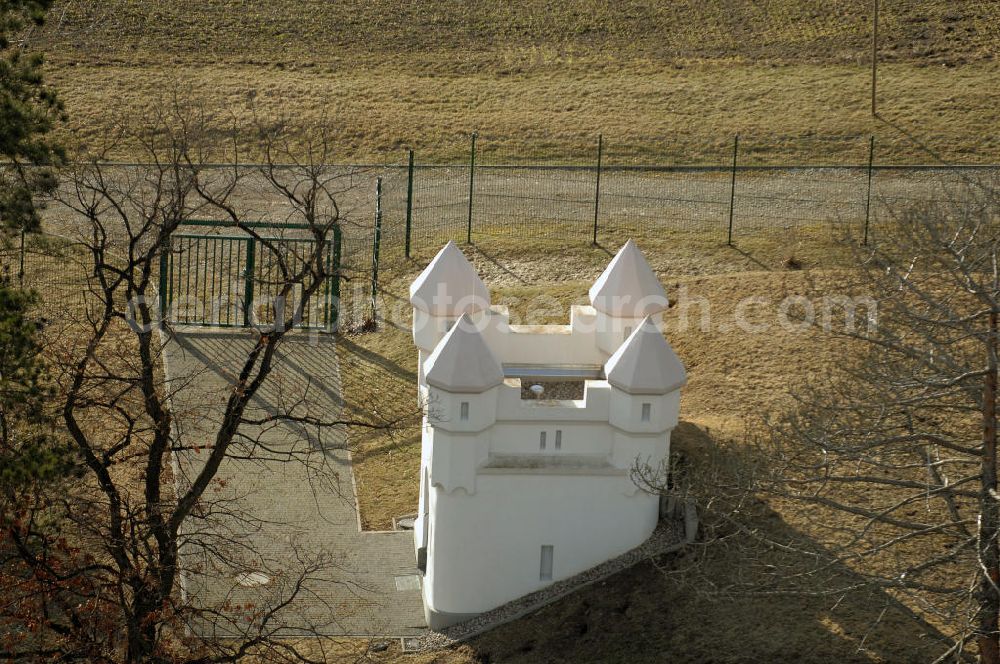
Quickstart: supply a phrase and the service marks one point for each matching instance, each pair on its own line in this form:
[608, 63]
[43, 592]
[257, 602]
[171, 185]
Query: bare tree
[901, 450]
[92, 566]
[891, 453]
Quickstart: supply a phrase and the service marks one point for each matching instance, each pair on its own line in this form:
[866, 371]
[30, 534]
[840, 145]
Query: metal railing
[207, 279]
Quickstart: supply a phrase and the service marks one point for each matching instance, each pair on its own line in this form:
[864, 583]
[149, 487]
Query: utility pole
[874, 52]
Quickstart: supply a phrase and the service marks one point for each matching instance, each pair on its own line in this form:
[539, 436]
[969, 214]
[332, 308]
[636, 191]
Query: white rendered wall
[485, 549]
[444, 409]
[626, 411]
[486, 526]
[593, 439]
[483, 519]
[589, 339]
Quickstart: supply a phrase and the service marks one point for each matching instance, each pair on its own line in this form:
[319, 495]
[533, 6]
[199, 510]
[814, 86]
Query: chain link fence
[843, 189]
[49, 265]
[848, 186]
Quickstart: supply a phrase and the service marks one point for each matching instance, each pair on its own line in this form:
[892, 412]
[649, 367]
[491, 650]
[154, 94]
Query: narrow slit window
[628, 331]
[463, 411]
[558, 439]
[545, 568]
[647, 410]
[541, 440]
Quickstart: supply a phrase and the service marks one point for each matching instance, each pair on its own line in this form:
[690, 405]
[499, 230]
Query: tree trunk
[141, 645]
[989, 554]
[142, 626]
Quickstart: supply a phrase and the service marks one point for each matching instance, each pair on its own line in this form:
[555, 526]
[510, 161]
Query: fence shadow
[478, 250]
[305, 380]
[747, 255]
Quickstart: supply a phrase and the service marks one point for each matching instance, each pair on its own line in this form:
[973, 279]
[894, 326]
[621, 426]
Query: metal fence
[235, 280]
[211, 275]
[49, 265]
[848, 187]
[845, 190]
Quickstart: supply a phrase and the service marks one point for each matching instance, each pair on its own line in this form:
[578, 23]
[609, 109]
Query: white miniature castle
[518, 493]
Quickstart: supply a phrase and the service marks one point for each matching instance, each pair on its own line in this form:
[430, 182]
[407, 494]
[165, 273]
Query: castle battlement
[537, 488]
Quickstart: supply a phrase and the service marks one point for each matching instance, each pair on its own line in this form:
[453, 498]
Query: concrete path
[283, 513]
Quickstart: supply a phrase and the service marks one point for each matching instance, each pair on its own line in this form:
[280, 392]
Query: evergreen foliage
[28, 112]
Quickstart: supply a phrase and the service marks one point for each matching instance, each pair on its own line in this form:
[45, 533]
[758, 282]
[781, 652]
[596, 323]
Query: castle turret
[645, 376]
[447, 288]
[462, 362]
[624, 295]
[462, 374]
[462, 378]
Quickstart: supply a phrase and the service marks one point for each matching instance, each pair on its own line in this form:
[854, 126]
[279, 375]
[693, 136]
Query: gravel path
[524, 201]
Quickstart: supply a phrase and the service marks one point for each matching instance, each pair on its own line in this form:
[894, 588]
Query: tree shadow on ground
[492, 258]
[646, 615]
[407, 375]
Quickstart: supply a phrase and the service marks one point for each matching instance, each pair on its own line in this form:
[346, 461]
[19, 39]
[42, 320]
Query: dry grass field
[668, 82]
[665, 82]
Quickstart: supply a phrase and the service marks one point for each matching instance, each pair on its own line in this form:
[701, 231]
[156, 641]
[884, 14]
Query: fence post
[376, 242]
[472, 177]
[248, 281]
[732, 189]
[409, 203]
[164, 266]
[868, 202]
[333, 303]
[597, 188]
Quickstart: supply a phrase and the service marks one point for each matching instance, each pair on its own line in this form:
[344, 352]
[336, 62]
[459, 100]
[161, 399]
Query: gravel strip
[554, 389]
[668, 536]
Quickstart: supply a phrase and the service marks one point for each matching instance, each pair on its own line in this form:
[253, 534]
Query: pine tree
[28, 113]
[28, 451]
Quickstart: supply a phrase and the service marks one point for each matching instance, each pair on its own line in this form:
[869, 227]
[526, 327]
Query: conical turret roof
[462, 362]
[645, 363]
[628, 287]
[449, 285]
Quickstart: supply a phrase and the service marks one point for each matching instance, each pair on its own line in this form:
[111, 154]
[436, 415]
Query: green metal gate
[234, 280]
